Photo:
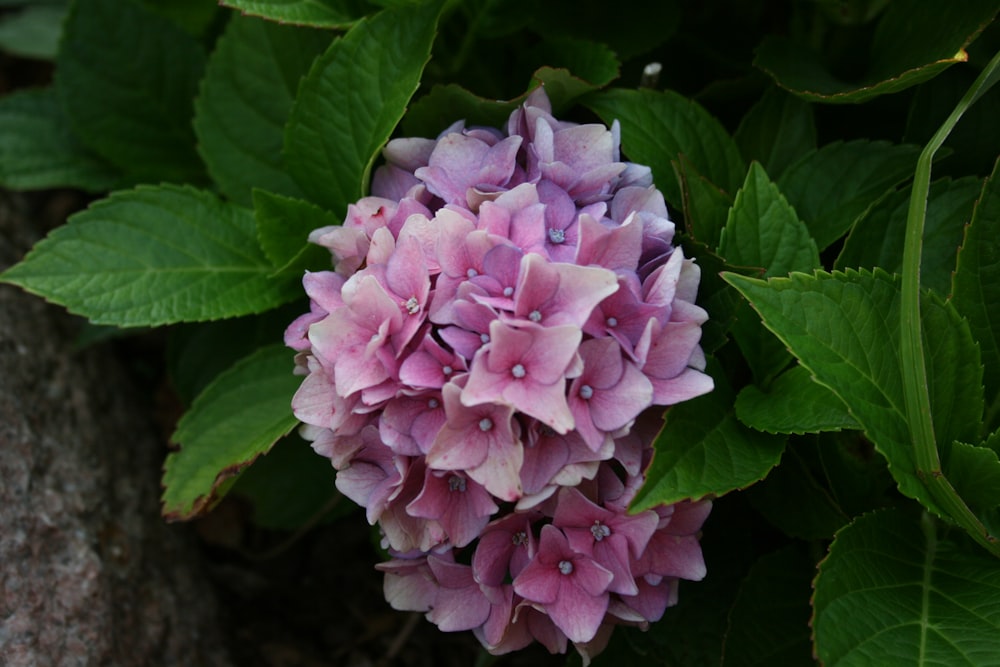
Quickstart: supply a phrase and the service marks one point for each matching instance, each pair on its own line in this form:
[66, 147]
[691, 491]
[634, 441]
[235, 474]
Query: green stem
[915, 390]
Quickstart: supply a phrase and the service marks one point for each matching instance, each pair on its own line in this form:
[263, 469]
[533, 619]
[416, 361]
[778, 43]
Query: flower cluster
[502, 310]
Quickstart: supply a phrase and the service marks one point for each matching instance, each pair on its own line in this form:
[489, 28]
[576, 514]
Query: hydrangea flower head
[501, 311]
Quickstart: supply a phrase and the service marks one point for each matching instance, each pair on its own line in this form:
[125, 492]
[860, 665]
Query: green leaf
[706, 207]
[246, 96]
[777, 131]
[844, 329]
[131, 98]
[38, 150]
[793, 403]
[975, 474]
[894, 591]
[794, 501]
[198, 352]
[877, 238]
[763, 231]
[352, 99]
[152, 256]
[315, 13]
[704, 451]
[283, 227]
[976, 287]
[33, 32]
[832, 187]
[656, 127]
[445, 104]
[769, 622]
[236, 419]
[911, 45]
[590, 61]
[291, 487]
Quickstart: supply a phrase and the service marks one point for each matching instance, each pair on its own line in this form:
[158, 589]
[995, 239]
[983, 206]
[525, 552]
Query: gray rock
[89, 572]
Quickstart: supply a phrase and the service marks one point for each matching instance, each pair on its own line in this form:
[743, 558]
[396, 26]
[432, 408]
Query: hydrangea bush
[505, 307]
[737, 406]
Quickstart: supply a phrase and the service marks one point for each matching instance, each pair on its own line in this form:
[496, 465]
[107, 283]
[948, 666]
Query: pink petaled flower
[571, 587]
[486, 368]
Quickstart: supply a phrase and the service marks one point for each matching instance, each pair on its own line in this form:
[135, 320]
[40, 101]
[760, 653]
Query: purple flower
[571, 587]
[525, 367]
[483, 367]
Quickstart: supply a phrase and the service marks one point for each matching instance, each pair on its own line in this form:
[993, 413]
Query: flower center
[599, 531]
[433, 403]
[508, 291]
[518, 371]
[519, 539]
[456, 483]
[535, 316]
[557, 235]
[412, 305]
[447, 370]
[472, 273]
[485, 424]
[612, 322]
[484, 337]
[586, 392]
[565, 567]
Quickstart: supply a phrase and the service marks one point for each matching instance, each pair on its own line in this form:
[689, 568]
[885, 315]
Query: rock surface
[89, 573]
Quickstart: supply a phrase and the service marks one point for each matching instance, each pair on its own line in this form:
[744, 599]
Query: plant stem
[915, 390]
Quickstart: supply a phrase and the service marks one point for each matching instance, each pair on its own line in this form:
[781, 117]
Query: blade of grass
[915, 389]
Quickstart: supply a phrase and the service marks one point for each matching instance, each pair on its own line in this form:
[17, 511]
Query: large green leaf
[833, 186]
[777, 131]
[895, 591]
[769, 622]
[233, 421]
[352, 99]
[763, 231]
[704, 451]
[976, 288]
[657, 127]
[793, 403]
[127, 77]
[246, 96]
[844, 329]
[316, 13]
[877, 238]
[38, 149]
[152, 256]
[913, 42]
